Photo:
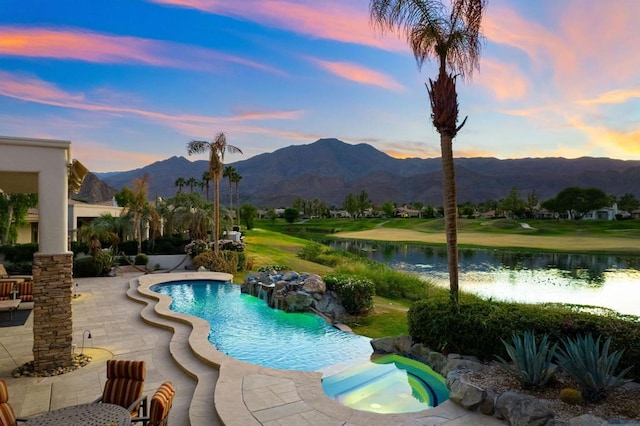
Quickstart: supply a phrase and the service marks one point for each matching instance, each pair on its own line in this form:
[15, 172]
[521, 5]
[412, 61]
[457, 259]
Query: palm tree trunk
[450, 213]
[444, 107]
[238, 203]
[231, 200]
[216, 215]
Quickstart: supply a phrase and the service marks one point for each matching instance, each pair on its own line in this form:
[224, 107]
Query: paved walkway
[129, 322]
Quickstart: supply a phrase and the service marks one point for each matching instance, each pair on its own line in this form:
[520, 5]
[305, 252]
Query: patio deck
[126, 323]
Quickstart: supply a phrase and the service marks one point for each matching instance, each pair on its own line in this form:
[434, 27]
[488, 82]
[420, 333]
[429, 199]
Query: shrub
[141, 259]
[221, 261]
[19, 268]
[87, 267]
[273, 268]
[19, 252]
[130, 248]
[318, 253]
[196, 247]
[478, 324]
[530, 361]
[355, 293]
[388, 282]
[571, 396]
[592, 366]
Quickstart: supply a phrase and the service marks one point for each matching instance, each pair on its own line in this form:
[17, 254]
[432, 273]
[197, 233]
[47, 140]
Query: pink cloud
[344, 21]
[359, 74]
[612, 97]
[34, 90]
[99, 48]
[505, 81]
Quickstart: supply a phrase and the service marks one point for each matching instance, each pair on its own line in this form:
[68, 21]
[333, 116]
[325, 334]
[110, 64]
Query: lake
[532, 277]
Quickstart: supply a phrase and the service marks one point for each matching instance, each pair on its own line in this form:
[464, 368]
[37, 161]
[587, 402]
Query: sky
[130, 82]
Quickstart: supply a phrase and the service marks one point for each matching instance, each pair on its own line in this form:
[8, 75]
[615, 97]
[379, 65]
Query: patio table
[84, 415]
[10, 305]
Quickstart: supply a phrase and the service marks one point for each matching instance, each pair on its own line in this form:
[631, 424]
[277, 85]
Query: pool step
[202, 409]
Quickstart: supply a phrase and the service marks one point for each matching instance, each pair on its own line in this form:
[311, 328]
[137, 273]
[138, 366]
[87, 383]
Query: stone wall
[52, 324]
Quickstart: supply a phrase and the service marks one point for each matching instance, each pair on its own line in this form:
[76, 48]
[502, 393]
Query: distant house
[339, 214]
[407, 212]
[78, 214]
[605, 213]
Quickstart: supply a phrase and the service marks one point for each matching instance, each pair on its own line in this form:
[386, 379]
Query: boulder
[523, 410]
[298, 301]
[392, 345]
[464, 393]
[314, 284]
[331, 306]
[460, 364]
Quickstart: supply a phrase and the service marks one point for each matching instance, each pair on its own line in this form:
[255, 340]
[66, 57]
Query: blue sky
[130, 82]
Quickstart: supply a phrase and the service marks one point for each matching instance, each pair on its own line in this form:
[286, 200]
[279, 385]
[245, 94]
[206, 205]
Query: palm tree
[236, 178]
[206, 178]
[191, 182]
[180, 182]
[228, 173]
[217, 148]
[452, 37]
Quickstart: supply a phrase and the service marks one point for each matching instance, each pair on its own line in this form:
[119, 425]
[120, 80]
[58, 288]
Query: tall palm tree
[216, 148]
[228, 173]
[180, 182]
[236, 178]
[206, 178]
[451, 36]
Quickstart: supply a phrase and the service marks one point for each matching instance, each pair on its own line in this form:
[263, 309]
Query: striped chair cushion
[125, 382]
[25, 291]
[161, 403]
[5, 290]
[7, 415]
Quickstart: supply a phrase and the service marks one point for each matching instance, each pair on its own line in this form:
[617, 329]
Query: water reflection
[599, 280]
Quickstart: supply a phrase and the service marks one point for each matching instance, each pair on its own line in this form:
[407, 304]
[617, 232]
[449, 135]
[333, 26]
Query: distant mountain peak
[329, 169]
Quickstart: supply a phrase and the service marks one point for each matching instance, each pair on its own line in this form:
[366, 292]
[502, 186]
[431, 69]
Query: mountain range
[329, 169]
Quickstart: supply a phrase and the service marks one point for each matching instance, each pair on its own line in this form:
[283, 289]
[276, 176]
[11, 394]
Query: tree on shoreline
[453, 38]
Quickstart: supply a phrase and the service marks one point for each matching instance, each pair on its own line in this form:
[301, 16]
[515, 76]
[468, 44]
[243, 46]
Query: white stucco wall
[40, 166]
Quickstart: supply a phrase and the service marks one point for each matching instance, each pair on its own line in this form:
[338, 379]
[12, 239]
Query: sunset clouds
[133, 81]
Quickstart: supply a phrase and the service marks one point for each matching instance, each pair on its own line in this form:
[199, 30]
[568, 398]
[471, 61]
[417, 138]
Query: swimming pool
[245, 328]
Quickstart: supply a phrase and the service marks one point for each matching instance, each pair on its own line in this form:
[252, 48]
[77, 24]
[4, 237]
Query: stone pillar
[52, 294]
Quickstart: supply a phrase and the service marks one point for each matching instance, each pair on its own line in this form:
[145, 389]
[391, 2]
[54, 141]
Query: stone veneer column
[52, 326]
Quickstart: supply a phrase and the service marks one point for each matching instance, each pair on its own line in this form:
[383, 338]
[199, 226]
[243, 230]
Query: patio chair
[159, 407]
[125, 382]
[7, 413]
[25, 291]
[6, 289]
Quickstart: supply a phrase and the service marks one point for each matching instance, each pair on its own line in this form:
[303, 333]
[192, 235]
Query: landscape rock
[291, 291]
[465, 394]
[389, 345]
[460, 364]
[523, 410]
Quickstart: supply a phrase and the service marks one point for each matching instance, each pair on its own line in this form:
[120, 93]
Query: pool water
[245, 328]
[390, 384]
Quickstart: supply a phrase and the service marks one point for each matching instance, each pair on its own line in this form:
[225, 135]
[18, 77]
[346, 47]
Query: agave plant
[530, 361]
[592, 366]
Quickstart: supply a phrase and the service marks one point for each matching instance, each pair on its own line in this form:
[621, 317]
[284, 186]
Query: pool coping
[248, 394]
